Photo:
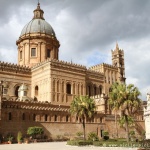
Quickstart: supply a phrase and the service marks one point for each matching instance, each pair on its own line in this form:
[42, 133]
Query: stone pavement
[55, 146]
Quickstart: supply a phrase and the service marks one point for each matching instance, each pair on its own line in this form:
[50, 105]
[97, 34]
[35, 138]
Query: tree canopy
[126, 99]
[83, 107]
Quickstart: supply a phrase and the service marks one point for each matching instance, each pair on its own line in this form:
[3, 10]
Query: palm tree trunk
[116, 124]
[127, 128]
[83, 123]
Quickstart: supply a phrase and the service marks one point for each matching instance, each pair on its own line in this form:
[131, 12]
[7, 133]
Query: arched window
[78, 89]
[23, 116]
[68, 88]
[95, 90]
[9, 116]
[55, 119]
[57, 86]
[67, 118]
[48, 53]
[36, 90]
[89, 90]
[20, 54]
[16, 91]
[100, 89]
[45, 117]
[81, 89]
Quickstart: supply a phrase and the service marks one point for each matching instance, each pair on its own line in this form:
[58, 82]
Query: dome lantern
[38, 13]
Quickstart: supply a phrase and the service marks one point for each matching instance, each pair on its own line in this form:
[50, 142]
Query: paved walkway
[55, 146]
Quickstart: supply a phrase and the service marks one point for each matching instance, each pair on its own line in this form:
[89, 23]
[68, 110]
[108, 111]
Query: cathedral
[39, 89]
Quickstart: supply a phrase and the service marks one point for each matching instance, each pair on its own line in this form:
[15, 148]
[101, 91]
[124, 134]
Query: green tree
[33, 131]
[83, 107]
[126, 99]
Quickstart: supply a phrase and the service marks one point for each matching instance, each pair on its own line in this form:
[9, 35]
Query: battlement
[4, 66]
[59, 62]
[33, 105]
[101, 66]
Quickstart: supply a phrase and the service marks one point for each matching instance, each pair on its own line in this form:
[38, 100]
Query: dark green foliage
[92, 136]
[33, 131]
[79, 143]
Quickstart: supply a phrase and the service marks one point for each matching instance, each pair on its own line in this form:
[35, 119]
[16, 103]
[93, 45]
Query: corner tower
[37, 41]
[118, 61]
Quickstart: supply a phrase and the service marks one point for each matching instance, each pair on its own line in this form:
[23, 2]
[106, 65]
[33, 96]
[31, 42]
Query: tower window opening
[68, 88]
[33, 52]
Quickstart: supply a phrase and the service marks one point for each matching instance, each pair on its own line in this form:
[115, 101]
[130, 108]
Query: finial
[38, 6]
[117, 47]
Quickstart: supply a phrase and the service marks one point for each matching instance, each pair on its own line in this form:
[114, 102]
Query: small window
[68, 88]
[23, 116]
[55, 118]
[5, 91]
[94, 90]
[9, 116]
[36, 90]
[48, 53]
[67, 118]
[45, 117]
[33, 52]
[20, 54]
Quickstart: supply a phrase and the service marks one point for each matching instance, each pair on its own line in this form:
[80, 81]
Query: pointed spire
[117, 47]
[38, 5]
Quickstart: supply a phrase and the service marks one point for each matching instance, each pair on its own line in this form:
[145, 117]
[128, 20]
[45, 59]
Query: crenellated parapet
[59, 63]
[103, 65]
[4, 66]
[33, 105]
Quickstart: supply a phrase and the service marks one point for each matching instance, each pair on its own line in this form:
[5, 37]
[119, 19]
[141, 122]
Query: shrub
[33, 131]
[79, 142]
[19, 137]
[92, 136]
[79, 134]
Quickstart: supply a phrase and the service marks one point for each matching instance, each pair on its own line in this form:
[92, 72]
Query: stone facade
[39, 90]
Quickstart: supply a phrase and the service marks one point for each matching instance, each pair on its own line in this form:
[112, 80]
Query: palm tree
[83, 107]
[125, 98]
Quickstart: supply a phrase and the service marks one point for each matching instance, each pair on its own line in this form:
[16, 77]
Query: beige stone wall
[25, 44]
[41, 77]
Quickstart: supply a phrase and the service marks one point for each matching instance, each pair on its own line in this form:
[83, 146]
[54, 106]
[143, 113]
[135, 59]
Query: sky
[87, 31]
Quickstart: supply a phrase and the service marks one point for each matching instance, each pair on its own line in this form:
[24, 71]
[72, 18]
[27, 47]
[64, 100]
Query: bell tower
[118, 61]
